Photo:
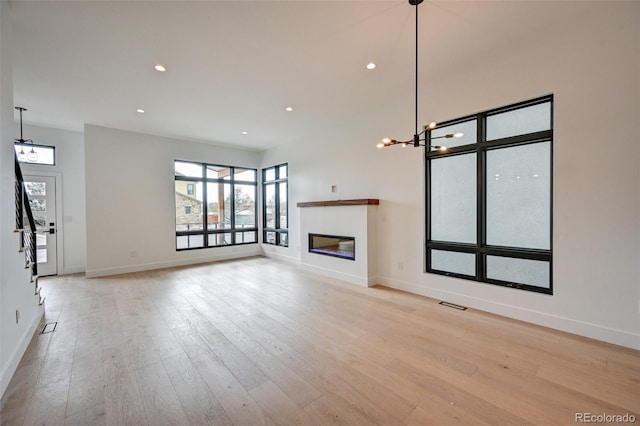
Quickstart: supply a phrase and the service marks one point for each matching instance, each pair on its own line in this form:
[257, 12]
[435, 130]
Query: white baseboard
[569, 325]
[74, 270]
[14, 360]
[354, 279]
[94, 273]
[283, 257]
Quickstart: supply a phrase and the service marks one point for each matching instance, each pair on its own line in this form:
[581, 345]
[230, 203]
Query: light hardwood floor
[257, 341]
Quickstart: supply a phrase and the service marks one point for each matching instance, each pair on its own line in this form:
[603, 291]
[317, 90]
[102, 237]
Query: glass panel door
[42, 198]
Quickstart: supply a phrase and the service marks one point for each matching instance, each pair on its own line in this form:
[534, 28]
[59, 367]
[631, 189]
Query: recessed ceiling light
[288, 109]
[140, 110]
[245, 133]
[160, 67]
[371, 66]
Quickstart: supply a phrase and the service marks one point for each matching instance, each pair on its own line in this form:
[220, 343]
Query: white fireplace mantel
[353, 218]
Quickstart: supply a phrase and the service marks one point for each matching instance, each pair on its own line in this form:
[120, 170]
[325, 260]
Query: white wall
[130, 196]
[16, 292]
[69, 168]
[592, 66]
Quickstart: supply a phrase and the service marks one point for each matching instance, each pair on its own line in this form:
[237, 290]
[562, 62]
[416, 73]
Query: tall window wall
[275, 206]
[215, 205]
[489, 197]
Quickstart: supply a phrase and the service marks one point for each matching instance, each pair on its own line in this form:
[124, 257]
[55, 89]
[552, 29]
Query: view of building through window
[215, 205]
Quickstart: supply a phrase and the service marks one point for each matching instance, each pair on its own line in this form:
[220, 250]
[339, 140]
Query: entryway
[42, 198]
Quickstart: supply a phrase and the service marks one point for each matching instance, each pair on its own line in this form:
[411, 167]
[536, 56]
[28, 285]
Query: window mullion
[481, 267]
[205, 207]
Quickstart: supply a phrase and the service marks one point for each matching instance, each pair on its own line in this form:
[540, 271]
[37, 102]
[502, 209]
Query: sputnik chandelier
[419, 139]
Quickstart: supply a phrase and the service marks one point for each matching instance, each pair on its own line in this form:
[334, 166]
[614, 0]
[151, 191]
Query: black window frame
[232, 181]
[35, 145]
[480, 248]
[278, 230]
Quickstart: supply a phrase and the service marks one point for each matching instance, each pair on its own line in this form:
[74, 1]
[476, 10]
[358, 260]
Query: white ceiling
[234, 66]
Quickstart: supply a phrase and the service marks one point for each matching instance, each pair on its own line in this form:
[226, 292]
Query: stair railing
[26, 225]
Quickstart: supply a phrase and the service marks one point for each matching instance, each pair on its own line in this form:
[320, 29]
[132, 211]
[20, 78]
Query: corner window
[489, 197]
[215, 205]
[275, 217]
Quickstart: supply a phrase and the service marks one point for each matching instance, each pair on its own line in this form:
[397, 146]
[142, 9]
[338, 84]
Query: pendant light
[418, 139]
[32, 156]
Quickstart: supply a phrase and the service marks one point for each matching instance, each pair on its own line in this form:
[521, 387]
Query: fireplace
[334, 226]
[333, 245]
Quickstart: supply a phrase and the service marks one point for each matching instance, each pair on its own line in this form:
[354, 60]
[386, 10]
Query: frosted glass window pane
[35, 188]
[521, 121]
[38, 204]
[521, 271]
[246, 237]
[41, 255]
[270, 237]
[41, 240]
[453, 198]
[519, 196]
[469, 128]
[451, 261]
[219, 239]
[182, 242]
[196, 241]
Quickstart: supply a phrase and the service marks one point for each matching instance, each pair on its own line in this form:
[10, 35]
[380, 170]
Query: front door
[42, 198]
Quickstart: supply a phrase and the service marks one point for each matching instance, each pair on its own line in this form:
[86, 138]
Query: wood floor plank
[48, 401]
[237, 403]
[259, 341]
[123, 404]
[92, 415]
[161, 404]
[199, 403]
[452, 394]
[18, 395]
[278, 406]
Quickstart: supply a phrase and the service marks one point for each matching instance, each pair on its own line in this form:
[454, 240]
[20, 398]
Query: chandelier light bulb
[442, 148]
[458, 135]
[432, 125]
[380, 145]
[32, 156]
[386, 141]
[21, 155]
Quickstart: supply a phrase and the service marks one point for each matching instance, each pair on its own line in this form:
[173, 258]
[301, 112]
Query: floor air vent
[453, 305]
[49, 327]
